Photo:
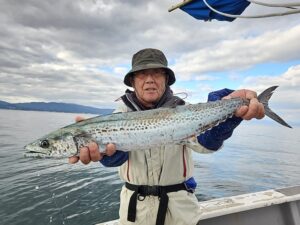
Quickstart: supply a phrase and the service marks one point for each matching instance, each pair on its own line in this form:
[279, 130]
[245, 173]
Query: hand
[255, 108]
[91, 152]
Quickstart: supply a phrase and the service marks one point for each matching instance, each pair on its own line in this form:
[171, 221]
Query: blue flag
[200, 11]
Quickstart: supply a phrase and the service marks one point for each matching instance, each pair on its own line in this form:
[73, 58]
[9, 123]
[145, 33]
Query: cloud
[46, 82]
[286, 98]
[239, 54]
[78, 51]
[289, 83]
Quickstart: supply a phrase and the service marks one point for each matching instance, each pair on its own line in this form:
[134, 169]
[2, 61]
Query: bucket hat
[149, 58]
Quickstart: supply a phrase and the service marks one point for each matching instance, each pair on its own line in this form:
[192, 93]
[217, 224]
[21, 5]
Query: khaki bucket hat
[149, 58]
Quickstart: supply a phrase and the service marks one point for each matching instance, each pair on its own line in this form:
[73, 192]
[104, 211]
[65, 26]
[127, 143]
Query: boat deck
[271, 207]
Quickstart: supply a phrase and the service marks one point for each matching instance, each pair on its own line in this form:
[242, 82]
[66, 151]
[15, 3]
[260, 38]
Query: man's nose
[149, 77]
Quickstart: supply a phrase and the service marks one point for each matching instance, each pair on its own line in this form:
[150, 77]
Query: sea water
[259, 156]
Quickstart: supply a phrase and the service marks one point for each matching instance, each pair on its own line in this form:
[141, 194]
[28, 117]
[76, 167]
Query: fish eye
[44, 144]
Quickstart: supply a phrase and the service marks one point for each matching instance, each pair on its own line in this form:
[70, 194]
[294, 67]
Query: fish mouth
[29, 153]
[39, 155]
[34, 154]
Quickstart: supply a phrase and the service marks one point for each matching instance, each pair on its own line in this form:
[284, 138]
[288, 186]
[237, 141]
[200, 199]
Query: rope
[286, 5]
[294, 11]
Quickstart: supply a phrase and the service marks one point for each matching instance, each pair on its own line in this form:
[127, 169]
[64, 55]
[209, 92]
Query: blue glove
[116, 159]
[213, 139]
[190, 185]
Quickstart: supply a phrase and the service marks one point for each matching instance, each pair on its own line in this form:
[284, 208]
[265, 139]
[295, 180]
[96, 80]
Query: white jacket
[166, 165]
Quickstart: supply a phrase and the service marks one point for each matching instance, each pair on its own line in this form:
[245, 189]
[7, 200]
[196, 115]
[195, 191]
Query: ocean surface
[260, 155]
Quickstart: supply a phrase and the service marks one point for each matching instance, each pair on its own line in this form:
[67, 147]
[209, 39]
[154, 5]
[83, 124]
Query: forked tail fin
[264, 99]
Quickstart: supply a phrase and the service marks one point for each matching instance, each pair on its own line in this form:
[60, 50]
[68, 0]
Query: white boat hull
[271, 207]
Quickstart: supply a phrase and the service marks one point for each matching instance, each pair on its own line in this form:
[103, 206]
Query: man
[159, 182]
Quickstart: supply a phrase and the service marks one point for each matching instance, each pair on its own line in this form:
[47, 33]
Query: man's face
[149, 85]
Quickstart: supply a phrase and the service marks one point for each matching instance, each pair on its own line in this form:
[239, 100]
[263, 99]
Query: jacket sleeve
[213, 139]
[116, 159]
[119, 157]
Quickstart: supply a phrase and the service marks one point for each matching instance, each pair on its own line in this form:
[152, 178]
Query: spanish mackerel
[143, 129]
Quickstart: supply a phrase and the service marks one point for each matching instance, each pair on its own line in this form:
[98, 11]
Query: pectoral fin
[82, 139]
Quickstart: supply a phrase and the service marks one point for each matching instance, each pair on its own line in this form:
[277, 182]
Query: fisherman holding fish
[151, 137]
[159, 184]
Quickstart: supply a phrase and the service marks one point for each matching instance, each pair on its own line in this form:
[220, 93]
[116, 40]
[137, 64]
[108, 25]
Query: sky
[78, 51]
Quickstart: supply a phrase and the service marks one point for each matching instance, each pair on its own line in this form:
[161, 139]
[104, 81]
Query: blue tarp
[200, 11]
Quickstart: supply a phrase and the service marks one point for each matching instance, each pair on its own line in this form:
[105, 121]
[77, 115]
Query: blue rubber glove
[116, 159]
[213, 139]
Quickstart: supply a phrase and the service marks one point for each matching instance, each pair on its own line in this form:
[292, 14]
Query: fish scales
[143, 129]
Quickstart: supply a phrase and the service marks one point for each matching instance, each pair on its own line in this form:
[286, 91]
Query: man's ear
[167, 80]
[131, 79]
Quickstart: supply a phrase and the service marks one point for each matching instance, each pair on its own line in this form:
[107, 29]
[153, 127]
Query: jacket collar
[167, 100]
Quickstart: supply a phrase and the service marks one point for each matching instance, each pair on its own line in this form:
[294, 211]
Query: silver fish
[144, 129]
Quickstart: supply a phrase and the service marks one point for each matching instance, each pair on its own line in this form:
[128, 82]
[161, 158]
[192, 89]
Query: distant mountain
[4, 104]
[54, 107]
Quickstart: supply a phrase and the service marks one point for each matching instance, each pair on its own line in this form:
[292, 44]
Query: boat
[270, 207]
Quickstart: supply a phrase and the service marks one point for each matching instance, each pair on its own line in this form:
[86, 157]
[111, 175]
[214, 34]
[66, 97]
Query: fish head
[59, 144]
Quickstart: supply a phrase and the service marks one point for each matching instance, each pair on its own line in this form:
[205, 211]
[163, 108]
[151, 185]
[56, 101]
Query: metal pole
[179, 5]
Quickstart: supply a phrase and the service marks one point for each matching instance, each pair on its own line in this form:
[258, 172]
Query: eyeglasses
[155, 73]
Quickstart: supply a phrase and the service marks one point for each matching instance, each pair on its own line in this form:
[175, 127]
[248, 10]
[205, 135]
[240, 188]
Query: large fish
[144, 129]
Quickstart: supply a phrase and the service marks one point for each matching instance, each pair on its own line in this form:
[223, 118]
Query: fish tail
[264, 98]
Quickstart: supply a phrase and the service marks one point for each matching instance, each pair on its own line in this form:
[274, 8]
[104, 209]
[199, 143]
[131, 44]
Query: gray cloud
[229, 55]
[78, 51]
